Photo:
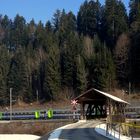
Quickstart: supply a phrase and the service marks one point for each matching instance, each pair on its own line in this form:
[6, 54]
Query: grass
[39, 128]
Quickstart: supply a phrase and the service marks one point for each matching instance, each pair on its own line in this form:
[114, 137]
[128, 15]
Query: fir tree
[18, 77]
[88, 18]
[19, 32]
[134, 15]
[81, 75]
[52, 72]
[104, 68]
[114, 21]
[4, 68]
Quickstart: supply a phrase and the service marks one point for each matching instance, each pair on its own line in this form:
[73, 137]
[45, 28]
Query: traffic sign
[74, 102]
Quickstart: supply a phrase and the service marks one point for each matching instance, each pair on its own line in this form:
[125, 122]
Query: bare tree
[121, 57]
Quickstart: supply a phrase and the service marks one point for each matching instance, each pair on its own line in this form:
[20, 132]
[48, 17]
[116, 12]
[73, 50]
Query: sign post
[10, 103]
[74, 108]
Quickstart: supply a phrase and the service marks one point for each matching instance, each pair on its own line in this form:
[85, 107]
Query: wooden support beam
[82, 106]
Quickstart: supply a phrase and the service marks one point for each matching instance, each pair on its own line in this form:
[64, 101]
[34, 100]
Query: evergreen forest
[99, 47]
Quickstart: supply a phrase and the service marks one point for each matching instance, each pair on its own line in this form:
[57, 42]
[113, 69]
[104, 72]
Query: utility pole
[37, 95]
[113, 23]
[10, 103]
[129, 90]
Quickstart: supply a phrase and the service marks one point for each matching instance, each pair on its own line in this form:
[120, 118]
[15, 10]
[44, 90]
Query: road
[81, 131]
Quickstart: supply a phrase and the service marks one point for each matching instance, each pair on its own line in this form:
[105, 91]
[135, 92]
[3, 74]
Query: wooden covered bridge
[97, 104]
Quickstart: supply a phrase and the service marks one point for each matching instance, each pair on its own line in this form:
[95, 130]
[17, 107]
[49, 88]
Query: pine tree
[67, 25]
[40, 36]
[88, 18]
[103, 68]
[114, 21]
[67, 67]
[6, 26]
[110, 69]
[68, 41]
[52, 72]
[4, 68]
[18, 77]
[121, 19]
[135, 58]
[81, 75]
[134, 20]
[134, 15]
[31, 65]
[19, 32]
[31, 28]
[48, 27]
[98, 69]
[56, 19]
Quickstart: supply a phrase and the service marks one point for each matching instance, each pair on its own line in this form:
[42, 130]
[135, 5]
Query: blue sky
[39, 9]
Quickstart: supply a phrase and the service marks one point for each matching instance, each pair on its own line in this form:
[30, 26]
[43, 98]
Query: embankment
[37, 127]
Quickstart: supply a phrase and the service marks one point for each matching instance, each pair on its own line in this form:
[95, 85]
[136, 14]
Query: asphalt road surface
[82, 131]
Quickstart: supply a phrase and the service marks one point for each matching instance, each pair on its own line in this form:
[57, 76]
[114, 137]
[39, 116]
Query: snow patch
[18, 137]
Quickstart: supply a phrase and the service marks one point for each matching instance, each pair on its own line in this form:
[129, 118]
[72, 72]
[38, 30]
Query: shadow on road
[81, 134]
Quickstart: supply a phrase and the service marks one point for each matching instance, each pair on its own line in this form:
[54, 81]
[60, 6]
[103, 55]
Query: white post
[119, 131]
[114, 131]
[10, 103]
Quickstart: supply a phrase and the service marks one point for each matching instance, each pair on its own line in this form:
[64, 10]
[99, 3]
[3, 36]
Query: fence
[128, 129]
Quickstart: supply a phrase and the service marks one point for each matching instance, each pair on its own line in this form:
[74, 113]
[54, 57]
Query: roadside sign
[50, 113]
[74, 102]
[74, 107]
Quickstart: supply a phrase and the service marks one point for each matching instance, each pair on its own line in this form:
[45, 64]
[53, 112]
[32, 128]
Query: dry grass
[36, 128]
[120, 93]
[36, 105]
[133, 98]
[53, 104]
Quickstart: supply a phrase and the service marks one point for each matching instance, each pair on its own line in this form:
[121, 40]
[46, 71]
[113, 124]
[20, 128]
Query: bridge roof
[97, 95]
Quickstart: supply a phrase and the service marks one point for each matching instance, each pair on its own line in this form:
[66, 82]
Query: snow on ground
[18, 137]
[101, 129]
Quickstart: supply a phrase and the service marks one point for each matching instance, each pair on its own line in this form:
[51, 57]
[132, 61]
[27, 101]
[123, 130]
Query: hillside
[97, 47]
